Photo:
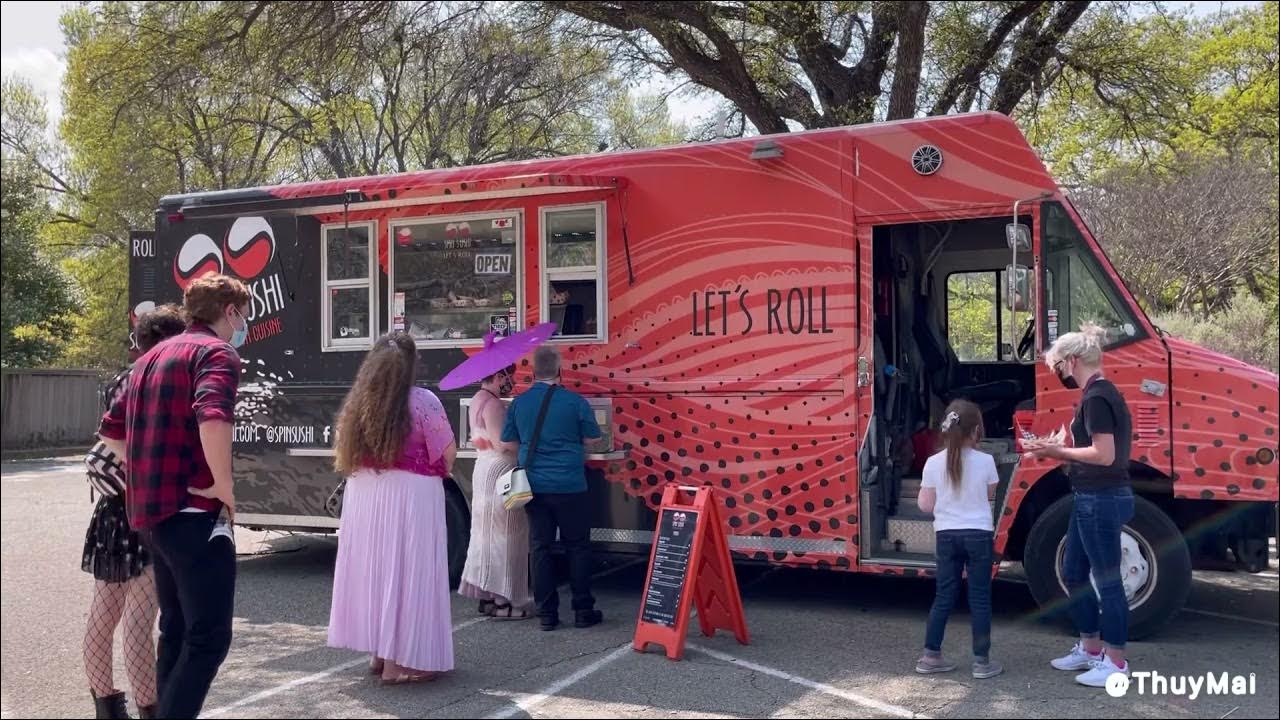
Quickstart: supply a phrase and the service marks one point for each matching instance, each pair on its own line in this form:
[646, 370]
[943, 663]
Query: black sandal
[504, 611]
[486, 607]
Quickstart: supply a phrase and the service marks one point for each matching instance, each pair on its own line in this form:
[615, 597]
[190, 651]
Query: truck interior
[949, 324]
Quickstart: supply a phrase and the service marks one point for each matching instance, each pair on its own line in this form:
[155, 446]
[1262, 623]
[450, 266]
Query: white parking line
[1237, 618]
[314, 677]
[863, 700]
[526, 703]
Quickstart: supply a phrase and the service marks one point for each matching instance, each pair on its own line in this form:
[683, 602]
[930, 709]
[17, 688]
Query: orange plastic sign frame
[709, 581]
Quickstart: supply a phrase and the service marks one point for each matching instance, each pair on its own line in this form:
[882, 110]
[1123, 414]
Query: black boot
[146, 712]
[111, 706]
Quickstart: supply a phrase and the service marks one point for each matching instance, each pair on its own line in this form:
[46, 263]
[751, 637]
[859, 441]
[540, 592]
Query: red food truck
[781, 317]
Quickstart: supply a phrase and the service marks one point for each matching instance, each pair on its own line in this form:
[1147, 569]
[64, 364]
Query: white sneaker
[1102, 669]
[1077, 659]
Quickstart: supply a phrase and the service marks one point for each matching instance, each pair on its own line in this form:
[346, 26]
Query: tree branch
[1032, 50]
[966, 80]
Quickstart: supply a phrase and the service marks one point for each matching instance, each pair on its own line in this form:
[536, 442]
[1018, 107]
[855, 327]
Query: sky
[31, 47]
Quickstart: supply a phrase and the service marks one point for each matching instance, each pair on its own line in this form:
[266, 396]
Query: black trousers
[571, 513]
[195, 586]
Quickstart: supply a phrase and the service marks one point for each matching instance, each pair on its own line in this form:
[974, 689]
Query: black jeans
[571, 513]
[195, 586]
[958, 550]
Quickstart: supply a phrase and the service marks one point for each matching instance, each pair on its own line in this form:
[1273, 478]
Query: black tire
[1171, 564]
[457, 518]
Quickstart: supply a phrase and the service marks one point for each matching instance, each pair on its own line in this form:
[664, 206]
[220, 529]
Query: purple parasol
[496, 355]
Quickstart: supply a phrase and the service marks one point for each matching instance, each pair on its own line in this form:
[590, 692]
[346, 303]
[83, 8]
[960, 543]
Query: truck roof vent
[926, 159]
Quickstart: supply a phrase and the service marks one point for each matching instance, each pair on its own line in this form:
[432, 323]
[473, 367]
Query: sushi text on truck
[782, 318]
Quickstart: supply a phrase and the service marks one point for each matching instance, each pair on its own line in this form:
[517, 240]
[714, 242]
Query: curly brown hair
[374, 419]
[159, 324]
[207, 296]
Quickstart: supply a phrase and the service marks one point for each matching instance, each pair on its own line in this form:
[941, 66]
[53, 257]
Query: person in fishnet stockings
[133, 605]
[124, 592]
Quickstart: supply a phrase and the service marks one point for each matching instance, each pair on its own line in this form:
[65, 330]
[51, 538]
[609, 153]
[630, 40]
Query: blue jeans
[957, 551]
[1093, 544]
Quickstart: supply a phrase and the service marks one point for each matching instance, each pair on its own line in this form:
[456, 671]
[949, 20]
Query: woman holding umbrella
[391, 583]
[497, 569]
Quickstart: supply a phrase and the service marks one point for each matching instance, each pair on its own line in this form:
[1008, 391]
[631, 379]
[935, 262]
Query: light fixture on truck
[766, 149]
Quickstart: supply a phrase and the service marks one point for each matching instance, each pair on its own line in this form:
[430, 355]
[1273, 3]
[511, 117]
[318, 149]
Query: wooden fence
[48, 409]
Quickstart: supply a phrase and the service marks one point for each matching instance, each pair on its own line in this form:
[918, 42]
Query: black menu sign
[670, 566]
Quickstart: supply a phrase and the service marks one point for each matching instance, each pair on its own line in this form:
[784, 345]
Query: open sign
[493, 264]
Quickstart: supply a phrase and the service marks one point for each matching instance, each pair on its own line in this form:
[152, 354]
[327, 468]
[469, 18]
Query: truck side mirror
[1019, 236]
[1017, 295]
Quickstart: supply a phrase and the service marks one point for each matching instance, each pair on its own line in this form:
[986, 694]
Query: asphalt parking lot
[822, 645]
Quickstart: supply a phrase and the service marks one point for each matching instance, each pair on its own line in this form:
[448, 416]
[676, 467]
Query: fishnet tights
[134, 601]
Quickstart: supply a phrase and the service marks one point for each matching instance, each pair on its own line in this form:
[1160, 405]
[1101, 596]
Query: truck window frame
[598, 273]
[1094, 263]
[1001, 313]
[518, 251]
[996, 305]
[328, 343]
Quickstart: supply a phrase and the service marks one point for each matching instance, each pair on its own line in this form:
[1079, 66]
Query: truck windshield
[1078, 289]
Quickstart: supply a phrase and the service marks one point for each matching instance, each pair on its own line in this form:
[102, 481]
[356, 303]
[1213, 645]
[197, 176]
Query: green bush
[1249, 330]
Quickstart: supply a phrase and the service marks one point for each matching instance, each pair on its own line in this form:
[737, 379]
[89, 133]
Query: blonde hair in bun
[1086, 346]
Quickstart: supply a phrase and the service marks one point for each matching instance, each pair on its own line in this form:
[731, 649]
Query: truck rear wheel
[1157, 572]
[457, 519]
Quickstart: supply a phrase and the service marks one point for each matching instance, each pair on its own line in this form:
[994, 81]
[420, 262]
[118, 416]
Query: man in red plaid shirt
[172, 423]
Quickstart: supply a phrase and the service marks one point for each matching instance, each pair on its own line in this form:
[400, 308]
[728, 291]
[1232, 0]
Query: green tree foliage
[1177, 164]
[1189, 87]
[36, 298]
[168, 97]
[1246, 331]
[971, 316]
[641, 121]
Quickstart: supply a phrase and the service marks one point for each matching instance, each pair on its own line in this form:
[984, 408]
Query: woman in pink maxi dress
[391, 583]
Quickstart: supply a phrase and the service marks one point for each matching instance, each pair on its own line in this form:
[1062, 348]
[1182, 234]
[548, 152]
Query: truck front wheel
[1156, 565]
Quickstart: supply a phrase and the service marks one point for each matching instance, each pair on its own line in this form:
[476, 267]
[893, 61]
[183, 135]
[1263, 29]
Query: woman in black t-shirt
[1098, 465]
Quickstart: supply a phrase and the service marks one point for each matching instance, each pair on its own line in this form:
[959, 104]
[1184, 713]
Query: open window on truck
[573, 270]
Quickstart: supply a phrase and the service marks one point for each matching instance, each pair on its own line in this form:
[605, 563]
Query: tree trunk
[906, 71]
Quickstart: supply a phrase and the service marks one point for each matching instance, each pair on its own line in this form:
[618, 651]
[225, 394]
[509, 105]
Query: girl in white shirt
[958, 484]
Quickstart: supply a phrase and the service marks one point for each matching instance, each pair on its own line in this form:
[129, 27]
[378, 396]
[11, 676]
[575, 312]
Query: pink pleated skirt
[391, 583]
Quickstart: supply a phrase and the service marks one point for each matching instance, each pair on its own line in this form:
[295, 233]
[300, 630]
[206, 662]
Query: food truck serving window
[456, 278]
[573, 270]
[348, 298]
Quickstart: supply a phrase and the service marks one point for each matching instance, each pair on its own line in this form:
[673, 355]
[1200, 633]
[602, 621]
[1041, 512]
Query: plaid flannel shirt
[184, 381]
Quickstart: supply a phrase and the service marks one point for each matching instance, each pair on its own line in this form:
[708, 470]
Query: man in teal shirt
[559, 482]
